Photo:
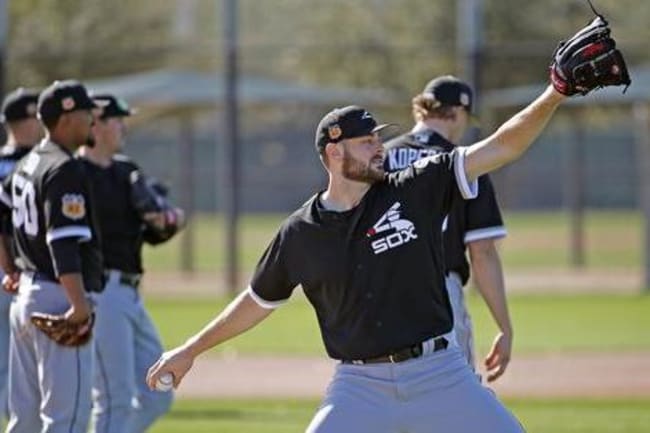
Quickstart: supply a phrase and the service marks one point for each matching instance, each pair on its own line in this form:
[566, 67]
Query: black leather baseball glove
[588, 60]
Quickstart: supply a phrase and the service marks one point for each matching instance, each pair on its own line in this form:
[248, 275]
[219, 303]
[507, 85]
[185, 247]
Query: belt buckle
[391, 358]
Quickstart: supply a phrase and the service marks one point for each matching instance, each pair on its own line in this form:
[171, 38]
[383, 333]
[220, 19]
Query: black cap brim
[88, 104]
[384, 126]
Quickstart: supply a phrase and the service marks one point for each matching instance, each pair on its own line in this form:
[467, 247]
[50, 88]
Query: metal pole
[230, 181]
[642, 129]
[469, 39]
[4, 31]
[188, 187]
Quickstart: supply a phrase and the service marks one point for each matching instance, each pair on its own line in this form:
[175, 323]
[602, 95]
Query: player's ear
[334, 151]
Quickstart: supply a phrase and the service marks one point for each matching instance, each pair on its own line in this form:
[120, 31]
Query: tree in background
[52, 39]
[394, 44]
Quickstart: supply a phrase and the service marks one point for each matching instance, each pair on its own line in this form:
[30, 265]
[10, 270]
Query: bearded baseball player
[59, 264]
[442, 114]
[368, 253]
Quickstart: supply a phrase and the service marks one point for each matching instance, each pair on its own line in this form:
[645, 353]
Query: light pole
[230, 178]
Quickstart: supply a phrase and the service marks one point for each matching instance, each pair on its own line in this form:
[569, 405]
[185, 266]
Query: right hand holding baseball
[177, 361]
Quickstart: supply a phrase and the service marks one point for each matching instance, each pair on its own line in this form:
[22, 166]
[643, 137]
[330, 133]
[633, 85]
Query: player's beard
[356, 170]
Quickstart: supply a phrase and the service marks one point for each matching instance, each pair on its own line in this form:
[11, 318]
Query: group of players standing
[74, 221]
[75, 213]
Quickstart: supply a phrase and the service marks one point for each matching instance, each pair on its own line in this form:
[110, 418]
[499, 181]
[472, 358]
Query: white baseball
[165, 382]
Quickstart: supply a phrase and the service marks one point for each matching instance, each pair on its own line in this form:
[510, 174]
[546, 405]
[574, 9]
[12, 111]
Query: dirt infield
[552, 375]
[561, 280]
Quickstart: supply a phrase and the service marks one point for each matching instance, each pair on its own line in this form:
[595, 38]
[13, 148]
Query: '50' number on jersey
[24, 201]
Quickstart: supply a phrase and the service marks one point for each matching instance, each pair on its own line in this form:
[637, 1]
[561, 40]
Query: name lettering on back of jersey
[73, 206]
[401, 158]
[397, 231]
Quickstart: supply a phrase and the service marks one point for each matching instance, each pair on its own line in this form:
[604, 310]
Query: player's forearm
[74, 290]
[514, 137]
[488, 277]
[6, 256]
[240, 315]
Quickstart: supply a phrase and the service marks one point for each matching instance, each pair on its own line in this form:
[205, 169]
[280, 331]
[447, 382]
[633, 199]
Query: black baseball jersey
[49, 199]
[468, 220]
[121, 226]
[374, 274]
[9, 156]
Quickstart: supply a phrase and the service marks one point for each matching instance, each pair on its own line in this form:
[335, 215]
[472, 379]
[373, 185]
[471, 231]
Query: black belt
[125, 278]
[402, 355]
[42, 276]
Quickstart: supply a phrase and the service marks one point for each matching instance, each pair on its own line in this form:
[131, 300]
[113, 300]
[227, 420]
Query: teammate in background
[23, 131]
[126, 341]
[442, 115]
[59, 261]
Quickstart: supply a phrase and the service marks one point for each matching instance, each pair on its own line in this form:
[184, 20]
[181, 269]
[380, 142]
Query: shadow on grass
[254, 414]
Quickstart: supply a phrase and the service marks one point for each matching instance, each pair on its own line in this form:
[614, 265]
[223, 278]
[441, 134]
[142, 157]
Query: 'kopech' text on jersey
[396, 231]
[402, 157]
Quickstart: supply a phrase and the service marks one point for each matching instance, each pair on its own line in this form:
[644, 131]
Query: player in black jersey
[442, 114]
[368, 254]
[23, 130]
[126, 341]
[22, 127]
[59, 261]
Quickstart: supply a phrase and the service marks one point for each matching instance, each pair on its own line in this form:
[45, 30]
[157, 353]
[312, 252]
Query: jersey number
[24, 199]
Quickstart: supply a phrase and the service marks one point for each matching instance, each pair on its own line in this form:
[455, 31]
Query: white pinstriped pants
[49, 384]
[436, 393]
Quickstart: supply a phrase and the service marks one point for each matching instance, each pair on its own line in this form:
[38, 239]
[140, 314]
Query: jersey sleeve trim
[81, 232]
[467, 189]
[269, 305]
[4, 197]
[485, 233]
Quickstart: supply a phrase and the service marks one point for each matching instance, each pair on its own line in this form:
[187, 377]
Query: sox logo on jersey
[403, 230]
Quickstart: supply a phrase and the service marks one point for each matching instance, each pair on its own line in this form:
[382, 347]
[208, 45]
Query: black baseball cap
[450, 91]
[19, 105]
[112, 106]
[347, 122]
[63, 97]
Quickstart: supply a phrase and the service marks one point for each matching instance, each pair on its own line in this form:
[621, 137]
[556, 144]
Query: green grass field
[292, 416]
[542, 324]
[539, 239]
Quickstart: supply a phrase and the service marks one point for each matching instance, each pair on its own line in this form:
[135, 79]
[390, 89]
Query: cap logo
[366, 115]
[73, 206]
[464, 99]
[68, 103]
[121, 103]
[31, 109]
[334, 132]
